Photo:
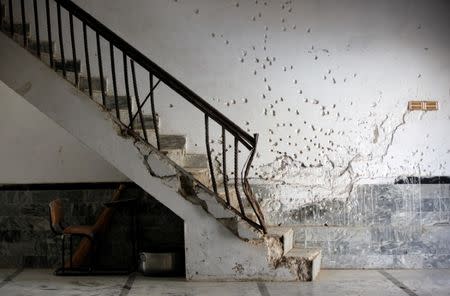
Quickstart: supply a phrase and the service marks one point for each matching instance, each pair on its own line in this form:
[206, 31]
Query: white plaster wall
[324, 83]
[34, 149]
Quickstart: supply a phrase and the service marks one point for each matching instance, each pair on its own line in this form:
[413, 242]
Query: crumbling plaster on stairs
[160, 166]
[298, 266]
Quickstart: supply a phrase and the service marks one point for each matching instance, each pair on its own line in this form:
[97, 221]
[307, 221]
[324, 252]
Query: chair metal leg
[70, 246]
[91, 265]
[62, 252]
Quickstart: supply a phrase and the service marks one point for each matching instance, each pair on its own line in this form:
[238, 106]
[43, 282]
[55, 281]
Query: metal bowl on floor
[160, 264]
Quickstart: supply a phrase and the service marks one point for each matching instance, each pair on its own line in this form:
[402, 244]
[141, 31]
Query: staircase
[226, 236]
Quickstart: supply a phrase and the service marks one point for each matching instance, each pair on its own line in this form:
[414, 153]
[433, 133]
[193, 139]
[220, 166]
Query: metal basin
[158, 264]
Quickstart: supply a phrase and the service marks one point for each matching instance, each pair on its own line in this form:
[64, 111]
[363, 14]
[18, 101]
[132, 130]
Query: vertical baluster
[136, 95]
[74, 51]
[247, 189]
[155, 120]
[113, 72]
[11, 18]
[86, 56]
[236, 175]
[224, 165]
[1, 15]
[127, 89]
[208, 153]
[24, 31]
[36, 25]
[100, 68]
[61, 41]
[49, 32]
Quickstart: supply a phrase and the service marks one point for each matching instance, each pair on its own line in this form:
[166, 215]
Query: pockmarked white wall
[324, 83]
[34, 149]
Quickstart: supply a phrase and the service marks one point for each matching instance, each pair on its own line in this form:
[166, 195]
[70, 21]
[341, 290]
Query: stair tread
[196, 161]
[172, 142]
[280, 230]
[148, 121]
[96, 87]
[307, 253]
[196, 170]
[17, 27]
[44, 45]
[69, 65]
[110, 102]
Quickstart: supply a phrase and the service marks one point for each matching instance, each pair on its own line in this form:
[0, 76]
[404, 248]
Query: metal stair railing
[129, 59]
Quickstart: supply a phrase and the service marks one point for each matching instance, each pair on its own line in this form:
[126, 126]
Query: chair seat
[80, 229]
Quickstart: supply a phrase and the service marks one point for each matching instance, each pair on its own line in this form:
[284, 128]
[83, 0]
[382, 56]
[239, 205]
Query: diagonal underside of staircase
[219, 244]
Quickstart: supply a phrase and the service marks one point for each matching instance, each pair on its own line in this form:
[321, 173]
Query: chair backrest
[56, 216]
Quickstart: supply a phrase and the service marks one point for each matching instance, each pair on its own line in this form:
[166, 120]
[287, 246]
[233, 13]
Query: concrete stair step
[122, 102]
[283, 234]
[45, 57]
[231, 192]
[200, 174]
[195, 161]
[96, 84]
[17, 28]
[148, 123]
[250, 213]
[44, 46]
[197, 165]
[174, 147]
[69, 64]
[307, 261]
[287, 235]
[172, 142]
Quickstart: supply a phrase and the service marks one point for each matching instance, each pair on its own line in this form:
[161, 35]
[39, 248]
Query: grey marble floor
[41, 282]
